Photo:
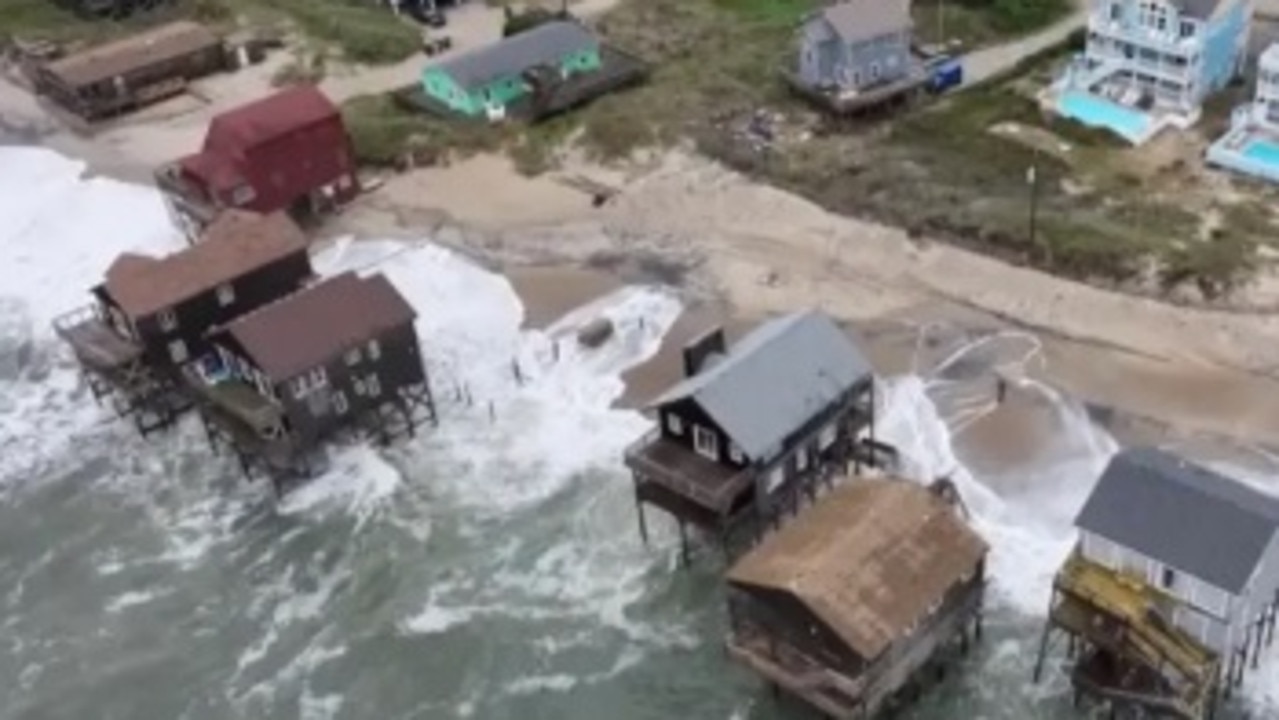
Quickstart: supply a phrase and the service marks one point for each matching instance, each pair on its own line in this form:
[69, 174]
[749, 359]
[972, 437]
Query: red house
[289, 151]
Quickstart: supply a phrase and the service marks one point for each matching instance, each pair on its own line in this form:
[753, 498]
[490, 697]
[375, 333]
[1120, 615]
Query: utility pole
[1032, 180]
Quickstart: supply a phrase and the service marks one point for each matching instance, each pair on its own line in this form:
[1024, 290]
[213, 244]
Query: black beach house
[752, 429]
[341, 354]
[150, 316]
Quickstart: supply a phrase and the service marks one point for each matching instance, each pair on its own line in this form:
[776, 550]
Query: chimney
[698, 351]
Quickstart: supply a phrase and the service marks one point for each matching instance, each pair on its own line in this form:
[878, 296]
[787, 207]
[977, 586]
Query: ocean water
[490, 568]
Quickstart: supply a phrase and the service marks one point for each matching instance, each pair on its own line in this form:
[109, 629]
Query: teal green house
[490, 78]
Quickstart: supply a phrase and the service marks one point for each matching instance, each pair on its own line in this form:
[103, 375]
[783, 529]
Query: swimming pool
[1262, 151]
[1133, 125]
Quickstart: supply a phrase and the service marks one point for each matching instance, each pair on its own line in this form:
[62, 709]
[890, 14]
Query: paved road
[982, 64]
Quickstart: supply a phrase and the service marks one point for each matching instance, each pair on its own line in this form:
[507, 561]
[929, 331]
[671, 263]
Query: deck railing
[719, 497]
[75, 318]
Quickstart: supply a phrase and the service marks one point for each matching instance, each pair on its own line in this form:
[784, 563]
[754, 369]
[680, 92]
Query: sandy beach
[745, 250]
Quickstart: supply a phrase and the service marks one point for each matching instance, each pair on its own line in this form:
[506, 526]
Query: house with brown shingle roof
[124, 74]
[846, 602]
[339, 354]
[151, 315]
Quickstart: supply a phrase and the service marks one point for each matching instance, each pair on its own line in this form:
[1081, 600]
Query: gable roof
[157, 45]
[273, 116]
[234, 244]
[545, 44]
[857, 20]
[774, 380]
[1182, 515]
[312, 326]
[869, 560]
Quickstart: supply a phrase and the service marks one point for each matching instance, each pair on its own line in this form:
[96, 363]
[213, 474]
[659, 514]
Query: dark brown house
[126, 74]
[847, 602]
[151, 315]
[339, 355]
[754, 428]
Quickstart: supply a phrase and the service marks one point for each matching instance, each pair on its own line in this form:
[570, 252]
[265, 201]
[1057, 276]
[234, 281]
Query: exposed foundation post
[683, 543]
[639, 512]
[1257, 641]
[1043, 650]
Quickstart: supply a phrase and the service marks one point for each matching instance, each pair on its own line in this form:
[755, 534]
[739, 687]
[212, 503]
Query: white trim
[705, 442]
[674, 424]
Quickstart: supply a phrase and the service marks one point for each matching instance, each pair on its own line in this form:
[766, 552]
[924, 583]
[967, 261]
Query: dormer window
[226, 294]
[168, 320]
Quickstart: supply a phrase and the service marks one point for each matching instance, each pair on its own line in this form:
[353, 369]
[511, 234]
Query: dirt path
[983, 64]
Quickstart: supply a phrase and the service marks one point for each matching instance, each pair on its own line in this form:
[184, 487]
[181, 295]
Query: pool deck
[1151, 123]
[1230, 152]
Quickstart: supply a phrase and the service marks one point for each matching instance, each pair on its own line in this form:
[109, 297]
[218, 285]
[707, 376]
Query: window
[735, 454]
[353, 356]
[874, 72]
[178, 352]
[827, 437]
[801, 459]
[339, 403]
[226, 294]
[168, 320]
[242, 195]
[373, 386]
[375, 350]
[674, 424]
[358, 384]
[310, 382]
[1169, 578]
[1116, 11]
[1187, 29]
[775, 479]
[706, 442]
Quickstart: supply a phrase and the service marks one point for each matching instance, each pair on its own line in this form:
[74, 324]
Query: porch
[683, 482]
[96, 344]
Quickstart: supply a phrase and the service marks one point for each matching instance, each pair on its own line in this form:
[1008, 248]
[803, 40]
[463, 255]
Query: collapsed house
[1173, 586]
[846, 603]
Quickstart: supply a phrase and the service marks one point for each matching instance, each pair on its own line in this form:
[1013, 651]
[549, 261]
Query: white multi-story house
[1151, 63]
[1209, 542]
[1251, 145]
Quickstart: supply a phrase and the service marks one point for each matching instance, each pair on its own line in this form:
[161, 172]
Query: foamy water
[501, 546]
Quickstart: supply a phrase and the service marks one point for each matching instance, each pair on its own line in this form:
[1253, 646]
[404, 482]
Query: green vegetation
[385, 133]
[362, 31]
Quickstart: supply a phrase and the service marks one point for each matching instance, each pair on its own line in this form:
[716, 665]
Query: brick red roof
[311, 327]
[233, 133]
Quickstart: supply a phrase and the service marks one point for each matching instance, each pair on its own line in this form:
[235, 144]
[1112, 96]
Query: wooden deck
[704, 483]
[94, 342]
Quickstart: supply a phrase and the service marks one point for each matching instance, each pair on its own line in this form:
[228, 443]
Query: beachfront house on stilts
[851, 602]
[150, 315]
[752, 429]
[340, 355]
[1173, 588]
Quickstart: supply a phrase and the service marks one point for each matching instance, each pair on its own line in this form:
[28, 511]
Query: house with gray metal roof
[486, 80]
[752, 427]
[1208, 541]
[856, 45]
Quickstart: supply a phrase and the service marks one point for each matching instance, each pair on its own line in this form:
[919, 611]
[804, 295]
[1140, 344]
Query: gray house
[855, 45]
[1209, 541]
[753, 427]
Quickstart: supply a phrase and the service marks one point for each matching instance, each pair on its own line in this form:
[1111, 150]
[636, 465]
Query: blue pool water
[1263, 151]
[1091, 110]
